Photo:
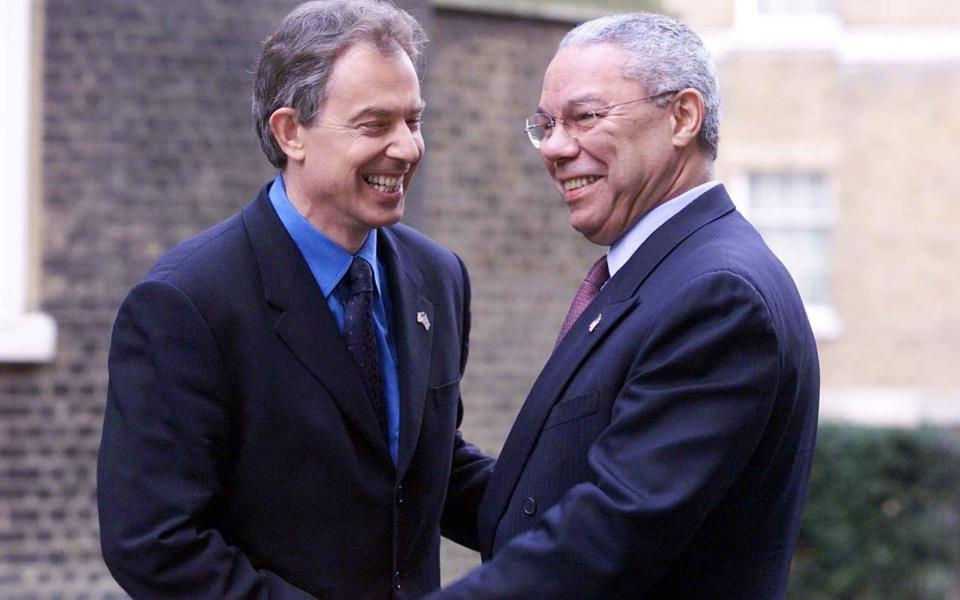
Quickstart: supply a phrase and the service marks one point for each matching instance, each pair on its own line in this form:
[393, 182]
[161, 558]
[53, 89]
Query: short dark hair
[298, 57]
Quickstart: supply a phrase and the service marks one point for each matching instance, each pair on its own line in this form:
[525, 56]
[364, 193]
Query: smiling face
[354, 164]
[627, 163]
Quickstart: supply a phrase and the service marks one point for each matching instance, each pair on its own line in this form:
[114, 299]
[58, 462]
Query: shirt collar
[328, 261]
[622, 249]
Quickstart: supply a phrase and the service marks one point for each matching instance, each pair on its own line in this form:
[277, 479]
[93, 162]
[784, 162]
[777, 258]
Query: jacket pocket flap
[446, 394]
[572, 409]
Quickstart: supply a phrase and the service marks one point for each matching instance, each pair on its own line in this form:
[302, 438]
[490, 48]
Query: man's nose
[559, 145]
[405, 145]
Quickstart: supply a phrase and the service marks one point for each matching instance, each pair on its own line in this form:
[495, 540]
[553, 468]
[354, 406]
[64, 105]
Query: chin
[386, 219]
[582, 226]
[594, 235]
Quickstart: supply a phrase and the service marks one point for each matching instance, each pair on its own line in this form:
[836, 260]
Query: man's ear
[686, 114]
[286, 129]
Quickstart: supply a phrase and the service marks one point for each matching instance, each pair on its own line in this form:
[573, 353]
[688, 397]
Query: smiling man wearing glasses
[284, 387]
[664, 451]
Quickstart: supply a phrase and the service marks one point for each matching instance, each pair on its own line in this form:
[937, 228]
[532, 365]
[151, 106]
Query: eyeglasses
[539, 124]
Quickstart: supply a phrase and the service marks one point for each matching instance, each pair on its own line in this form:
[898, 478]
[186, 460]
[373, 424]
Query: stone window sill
[27, 338]
[825, 322]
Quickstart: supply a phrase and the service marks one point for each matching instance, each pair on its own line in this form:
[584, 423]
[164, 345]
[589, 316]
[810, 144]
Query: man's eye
[542, 121]
[414, 123]
[585, 117]
[374, 127]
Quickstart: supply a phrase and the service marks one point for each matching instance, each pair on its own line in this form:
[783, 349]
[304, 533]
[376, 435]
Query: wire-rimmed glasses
[539, 124]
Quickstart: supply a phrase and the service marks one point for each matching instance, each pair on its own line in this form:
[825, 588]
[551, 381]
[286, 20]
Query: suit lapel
[616, 300]
[560, 368]
[304, 323]
[413, 341]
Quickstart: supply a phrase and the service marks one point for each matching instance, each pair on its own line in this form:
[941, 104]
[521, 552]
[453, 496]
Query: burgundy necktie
[588, 290]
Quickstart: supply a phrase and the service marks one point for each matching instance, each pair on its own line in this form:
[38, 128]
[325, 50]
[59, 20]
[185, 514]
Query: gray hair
[664, 55]
[298, 58]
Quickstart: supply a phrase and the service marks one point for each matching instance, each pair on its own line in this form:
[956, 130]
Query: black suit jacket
[240, 457]
[663, 452]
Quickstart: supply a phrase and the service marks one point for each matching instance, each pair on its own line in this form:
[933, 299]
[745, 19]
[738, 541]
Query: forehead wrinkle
[382, 112]
[585, 99]
[589, 98]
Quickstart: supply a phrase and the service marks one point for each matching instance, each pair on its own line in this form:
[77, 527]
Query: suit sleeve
[471, 468]
[682, 428]
[164, 437]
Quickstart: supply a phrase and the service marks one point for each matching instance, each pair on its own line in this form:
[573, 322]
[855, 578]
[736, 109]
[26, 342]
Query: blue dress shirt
[329, 262]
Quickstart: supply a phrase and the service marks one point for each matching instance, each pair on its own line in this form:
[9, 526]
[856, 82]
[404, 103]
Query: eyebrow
[582, 99]
[379, 112]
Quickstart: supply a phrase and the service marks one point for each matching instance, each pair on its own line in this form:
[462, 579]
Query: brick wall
[487, 196]
[147, 140]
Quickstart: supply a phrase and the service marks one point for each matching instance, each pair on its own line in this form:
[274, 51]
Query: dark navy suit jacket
[240, 457]
[665, 453]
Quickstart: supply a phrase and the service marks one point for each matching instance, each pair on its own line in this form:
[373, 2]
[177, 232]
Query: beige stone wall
[889, 142]
[897, 278]
[709, 14]
[887, 135]
[779, 112]
[920, 12]
[702, 15]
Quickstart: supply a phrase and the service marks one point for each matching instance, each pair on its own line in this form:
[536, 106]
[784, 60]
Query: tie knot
[599, 273]
[360, 276]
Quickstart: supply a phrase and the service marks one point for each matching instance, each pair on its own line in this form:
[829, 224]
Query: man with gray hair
[284, 402]
[665, 449]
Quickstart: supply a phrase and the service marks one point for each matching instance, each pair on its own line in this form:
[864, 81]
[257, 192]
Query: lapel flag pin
[423, 320]
[594, 323]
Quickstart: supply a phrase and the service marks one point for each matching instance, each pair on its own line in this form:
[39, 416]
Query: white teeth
[384, 183]
[579, 182]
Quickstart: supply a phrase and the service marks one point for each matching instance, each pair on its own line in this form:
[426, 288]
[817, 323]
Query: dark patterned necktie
[359, 331]
[588, 290]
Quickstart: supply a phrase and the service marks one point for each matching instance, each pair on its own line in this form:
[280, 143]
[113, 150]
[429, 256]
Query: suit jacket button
[396, 579]
[529, 506]
[399, 494]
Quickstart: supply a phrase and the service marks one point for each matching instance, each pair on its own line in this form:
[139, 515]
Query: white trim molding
[891, 45]
[825, 31]
[853, 46]
[25, 336]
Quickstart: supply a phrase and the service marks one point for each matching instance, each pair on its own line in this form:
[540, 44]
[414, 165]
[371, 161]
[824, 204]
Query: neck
[320, 215]
[686, 175]
[697, 171]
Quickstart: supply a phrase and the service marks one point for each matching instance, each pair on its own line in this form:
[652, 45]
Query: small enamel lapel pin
[423, 320]
[593, 324]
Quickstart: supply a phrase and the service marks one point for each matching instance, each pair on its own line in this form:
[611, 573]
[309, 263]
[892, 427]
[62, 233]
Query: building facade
[133, 133]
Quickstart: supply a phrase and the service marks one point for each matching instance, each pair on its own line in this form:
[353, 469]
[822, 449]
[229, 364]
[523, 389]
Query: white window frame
[826, 32]
[813, 31]
[824, 319]
[747, 13]
[25, 336]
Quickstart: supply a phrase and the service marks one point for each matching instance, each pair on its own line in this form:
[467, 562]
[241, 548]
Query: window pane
[795, 215]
